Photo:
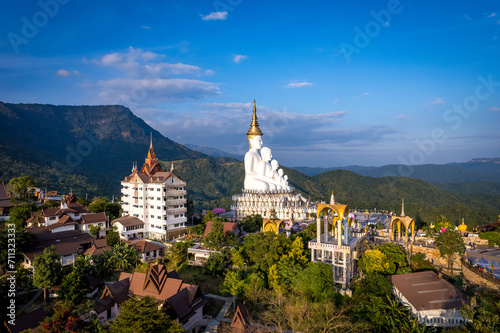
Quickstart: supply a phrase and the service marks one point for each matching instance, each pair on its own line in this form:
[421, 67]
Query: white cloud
[150, 92]
[494, 108]
[145, 79]
[63, 72]
[138, 63]
[214, 16]
[401, 117]
[239, 57]
[298, 84]
[438, 101]
[493, 15]
[366, 93]
[145, 27]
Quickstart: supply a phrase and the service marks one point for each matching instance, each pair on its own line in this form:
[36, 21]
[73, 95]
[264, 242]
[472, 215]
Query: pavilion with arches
[400, 226]
[339, 247]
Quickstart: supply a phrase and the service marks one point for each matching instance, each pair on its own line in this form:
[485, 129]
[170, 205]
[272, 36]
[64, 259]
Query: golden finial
[151, 139]
[254, 127]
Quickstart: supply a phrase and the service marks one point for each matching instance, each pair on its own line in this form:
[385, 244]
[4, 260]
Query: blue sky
[336, 83]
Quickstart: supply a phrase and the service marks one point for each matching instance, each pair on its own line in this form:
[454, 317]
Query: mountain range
[89, 149]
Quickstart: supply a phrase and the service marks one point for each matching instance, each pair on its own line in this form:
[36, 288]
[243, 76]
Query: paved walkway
[212, 325]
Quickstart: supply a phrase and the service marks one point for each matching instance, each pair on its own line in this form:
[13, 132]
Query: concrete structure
[156, 197]
[266, 188]
[407, 222]
[434, 301]
[342, 247]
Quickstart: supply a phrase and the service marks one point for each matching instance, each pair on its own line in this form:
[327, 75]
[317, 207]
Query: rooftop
[426, 291]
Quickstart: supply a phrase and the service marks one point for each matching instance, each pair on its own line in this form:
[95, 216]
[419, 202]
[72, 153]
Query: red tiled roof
[94, 218]
[144, 246]
[128, 221]
[228, 226]
[66, 242]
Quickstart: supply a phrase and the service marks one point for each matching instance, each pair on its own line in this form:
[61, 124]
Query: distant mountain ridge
[214, 152]
[69, 146]
[90, 149]
[476, 170]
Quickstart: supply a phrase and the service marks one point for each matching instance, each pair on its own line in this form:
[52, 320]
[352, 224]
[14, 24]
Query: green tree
[72, 287]
[19, 186]
[282, 274]
[251, 223]
[215, 238]
[237, 259]
[20, 213]
[263, 250]
[395, 257]
[124, 256]
[112, 236]
[94, 230]
[46, 269]
[315, 282]
[373, 261]
[442, 222]
[143, 316]
[178, 254]
[216, 263]
[254, 285]
[209, 216]
[102, 204]
[233, 284]
[450, 244]
[493, 237]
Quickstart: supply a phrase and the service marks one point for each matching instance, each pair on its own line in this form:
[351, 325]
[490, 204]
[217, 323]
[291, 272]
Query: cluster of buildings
[154, 204]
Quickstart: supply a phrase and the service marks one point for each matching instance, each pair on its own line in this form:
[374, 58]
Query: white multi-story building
[156, 197]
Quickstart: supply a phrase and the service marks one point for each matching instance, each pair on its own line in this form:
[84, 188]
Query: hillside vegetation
[89, 149]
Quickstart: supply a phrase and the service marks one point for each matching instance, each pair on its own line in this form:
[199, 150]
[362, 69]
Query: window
[158, 207]
[158, 189]
[158, 198]
[52, 218]
[165, 217]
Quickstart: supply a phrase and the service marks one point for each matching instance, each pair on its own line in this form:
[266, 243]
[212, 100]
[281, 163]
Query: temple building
[154, 196]
[266, 187]
[342, 247]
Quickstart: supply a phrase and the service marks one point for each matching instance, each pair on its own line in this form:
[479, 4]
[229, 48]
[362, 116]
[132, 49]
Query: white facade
[160, 206]
[286, 204]
[156, 197]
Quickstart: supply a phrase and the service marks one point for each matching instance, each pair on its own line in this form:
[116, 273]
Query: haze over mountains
[89, 149]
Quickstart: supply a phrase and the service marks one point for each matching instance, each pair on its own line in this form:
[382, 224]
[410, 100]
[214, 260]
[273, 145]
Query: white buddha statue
[253, 161]
[267, 171]
[254, 166]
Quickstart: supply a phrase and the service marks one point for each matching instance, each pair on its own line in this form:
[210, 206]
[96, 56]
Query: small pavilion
[340, 248]
[406, 221]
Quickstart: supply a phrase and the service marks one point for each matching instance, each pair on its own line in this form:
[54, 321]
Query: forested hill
[89, 149]
[212, 181]
[78, 147]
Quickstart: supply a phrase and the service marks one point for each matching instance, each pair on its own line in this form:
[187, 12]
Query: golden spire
[254, 126]
[151, 151]
[151, 140]
[403, 208]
